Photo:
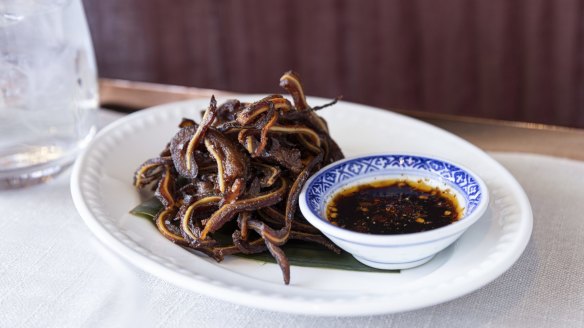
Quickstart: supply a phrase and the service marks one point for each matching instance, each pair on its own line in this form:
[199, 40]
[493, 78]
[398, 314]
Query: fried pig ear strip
[186, 224]
[253, 146]
[227, 111]
[173, 233]
[253, 247]
[285, 156]
[246, 247]
[282, 260]
[279, 237]
[227, 211]
[179, 146]
[178, 149]
[291, 82]
[297, 129]
[149, 171]
[269, 173]
[257, 126]
[164, 225]
[232, 165]
[243, 217]
[186, 122]
[251, 111]
[242, 223]
[294, 129]
[207, 120]
[165, 189]
[327, 104]
[231, 127]
[332, 150]
[264, 124]
[308, 145]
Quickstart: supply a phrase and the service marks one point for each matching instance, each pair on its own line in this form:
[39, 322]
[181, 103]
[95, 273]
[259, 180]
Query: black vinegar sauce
[391, 207]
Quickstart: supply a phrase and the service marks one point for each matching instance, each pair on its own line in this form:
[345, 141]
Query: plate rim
[188, 280]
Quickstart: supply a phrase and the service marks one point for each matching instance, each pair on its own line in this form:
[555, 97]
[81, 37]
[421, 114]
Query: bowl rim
[402, 239]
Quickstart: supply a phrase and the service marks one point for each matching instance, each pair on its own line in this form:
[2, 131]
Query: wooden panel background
[518, 60]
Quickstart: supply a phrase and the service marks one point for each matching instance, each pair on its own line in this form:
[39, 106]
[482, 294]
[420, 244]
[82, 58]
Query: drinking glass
[48, 88]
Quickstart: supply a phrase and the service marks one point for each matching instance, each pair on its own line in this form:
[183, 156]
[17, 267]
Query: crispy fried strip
[242, 222]
[263, 125]
[227, 211]
[281, 258]
[164, 188]
[231, 126]
[253, 110]
[185, 219]
[291, 82]
[334, 101]
[273, 118]
[186, 122]
[207, 120]
[227, 110]
[246, 247]
[257, 246]
[308, 145]
[259, 125]
[236, 189]
[297, 129]
[271, 173]
[249, 144]
[147, 172]
[231, 163]
[161, 220]
[178, 149]
[220, 168]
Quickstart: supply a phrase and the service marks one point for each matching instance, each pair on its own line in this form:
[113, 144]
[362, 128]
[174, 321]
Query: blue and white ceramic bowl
[394, 251]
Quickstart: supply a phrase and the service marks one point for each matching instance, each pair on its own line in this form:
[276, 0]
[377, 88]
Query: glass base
[26, 166]
[32, 175]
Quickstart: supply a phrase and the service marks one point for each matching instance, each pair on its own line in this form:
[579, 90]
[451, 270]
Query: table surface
[54, 273]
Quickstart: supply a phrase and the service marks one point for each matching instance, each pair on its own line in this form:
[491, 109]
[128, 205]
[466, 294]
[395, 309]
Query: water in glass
[48, 88]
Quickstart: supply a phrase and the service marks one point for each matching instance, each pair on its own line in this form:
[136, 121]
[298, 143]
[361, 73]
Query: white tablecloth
[54, 273]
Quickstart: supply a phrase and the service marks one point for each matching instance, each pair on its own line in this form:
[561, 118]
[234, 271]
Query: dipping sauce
[391, 207]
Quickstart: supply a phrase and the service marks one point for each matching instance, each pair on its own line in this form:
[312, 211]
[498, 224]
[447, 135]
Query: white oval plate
[101, 185]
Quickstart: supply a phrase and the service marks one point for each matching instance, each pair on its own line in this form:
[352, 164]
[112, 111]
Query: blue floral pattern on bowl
[375, 165]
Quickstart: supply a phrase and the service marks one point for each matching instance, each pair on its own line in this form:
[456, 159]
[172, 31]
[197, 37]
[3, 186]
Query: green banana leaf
[298, 253]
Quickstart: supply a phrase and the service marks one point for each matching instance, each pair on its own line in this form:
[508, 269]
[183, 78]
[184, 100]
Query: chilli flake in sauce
[392, 207]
